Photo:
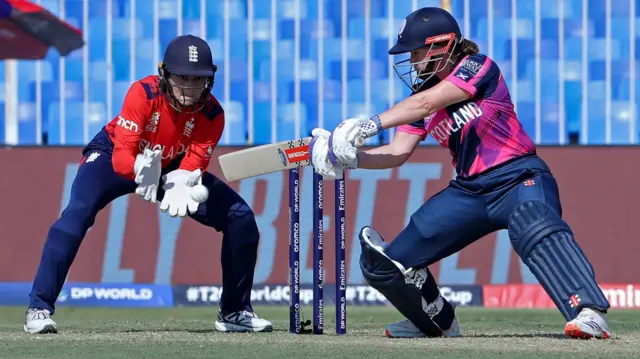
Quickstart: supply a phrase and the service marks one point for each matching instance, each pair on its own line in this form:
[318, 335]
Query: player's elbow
[402, 158]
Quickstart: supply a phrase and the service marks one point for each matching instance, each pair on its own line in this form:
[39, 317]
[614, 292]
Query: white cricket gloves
[147, 169]
[331, 153]
[319, 154]
[183, 190]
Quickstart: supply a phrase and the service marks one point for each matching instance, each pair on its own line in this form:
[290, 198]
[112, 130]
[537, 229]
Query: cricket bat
[265, 159]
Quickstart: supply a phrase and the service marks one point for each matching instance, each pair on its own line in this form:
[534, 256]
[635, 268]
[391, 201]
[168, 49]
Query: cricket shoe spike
[241, 322]
[588, 324]
[406, 329]
[38, 321]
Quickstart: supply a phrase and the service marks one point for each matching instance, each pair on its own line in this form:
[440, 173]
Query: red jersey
[147, 120]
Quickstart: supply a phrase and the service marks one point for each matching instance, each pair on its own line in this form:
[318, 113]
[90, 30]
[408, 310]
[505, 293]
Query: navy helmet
[430, 28]
[188, 56]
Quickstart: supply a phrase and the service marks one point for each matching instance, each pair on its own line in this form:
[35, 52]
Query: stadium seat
[355, 55]
[235, 132]
[287, 118]
[27, 127]
[2, 121]
[74, 122]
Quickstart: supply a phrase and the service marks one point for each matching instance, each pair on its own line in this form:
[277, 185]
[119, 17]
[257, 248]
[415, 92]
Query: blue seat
[74, 122]
[74, 70]
[573, 103]
[597, 70]
[121, 60]
[191, 9]
[261, 30]
[597, 46]
[120, 89]
[262, 122]
[286, 123]
[235, 132]
[237, 9]
[1, 120]
[238, 91]
[122, 28]
[596, 122]
[145, 67]
[262, 91]
[27, 71]
[286, 29]
[526, 91]
[526, 112]
[621, 122]
[27, 128]
[332, 49]
[311, 28]
[550, 124]
[262, 9]
[332, 114]
[404, 8]
[551, 9]
[379, 28]
[98, 71]
[191, 27]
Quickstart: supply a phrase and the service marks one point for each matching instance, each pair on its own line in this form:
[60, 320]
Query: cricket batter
[461, 99]
[159, 148]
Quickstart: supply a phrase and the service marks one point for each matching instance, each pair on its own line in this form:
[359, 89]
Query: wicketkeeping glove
[147, 169]
[177, 196]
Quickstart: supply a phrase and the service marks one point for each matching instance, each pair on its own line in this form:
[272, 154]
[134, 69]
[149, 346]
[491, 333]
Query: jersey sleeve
[476, 74]
[414, 128]
[128, 131]
[205, 139]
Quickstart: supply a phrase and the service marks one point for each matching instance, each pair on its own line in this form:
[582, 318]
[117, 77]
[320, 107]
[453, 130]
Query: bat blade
[265, 159]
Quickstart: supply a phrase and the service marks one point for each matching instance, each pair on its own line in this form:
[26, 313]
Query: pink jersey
[481, 132]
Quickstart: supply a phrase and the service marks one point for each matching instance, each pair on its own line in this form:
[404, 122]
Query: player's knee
[410, 247]
[530, 223]
[241, 216]
[77, 215]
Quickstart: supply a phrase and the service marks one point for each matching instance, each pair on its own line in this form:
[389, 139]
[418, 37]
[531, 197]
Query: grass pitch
[188, 333]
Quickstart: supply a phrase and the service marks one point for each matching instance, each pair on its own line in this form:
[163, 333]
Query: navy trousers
[96, 185]
[469, 209]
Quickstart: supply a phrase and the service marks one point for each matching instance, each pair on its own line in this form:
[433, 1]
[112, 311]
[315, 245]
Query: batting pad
[546, 245]
[403, 290]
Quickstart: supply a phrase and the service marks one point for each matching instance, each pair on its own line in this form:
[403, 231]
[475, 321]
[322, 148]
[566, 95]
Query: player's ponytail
[469, 48]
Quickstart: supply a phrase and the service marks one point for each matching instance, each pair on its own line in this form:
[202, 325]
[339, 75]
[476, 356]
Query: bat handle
[359, 141]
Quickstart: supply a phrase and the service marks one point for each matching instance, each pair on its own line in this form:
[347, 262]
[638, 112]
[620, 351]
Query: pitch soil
[188, 333]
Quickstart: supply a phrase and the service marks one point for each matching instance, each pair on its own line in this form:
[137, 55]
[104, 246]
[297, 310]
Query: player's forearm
[410, 110]
[380, 158]
[123, 163]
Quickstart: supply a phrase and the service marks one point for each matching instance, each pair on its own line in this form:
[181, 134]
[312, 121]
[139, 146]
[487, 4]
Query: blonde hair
[469, 47]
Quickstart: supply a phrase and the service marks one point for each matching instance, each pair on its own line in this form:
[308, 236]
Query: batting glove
[319, 154]
[147, 169]
[350, 134]
[177, 199]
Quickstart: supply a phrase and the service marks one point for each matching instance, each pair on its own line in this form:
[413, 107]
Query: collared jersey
[483, 131]
[147, 120]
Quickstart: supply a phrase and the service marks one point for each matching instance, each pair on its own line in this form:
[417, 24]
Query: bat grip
[359, 141]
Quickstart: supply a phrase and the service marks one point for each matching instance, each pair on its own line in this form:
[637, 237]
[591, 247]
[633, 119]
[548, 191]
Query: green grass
[187, 333]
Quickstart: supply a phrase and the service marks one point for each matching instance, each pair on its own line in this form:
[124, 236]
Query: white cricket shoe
[38, 321]
[406, 329]
[242, 321]
[588, 324]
